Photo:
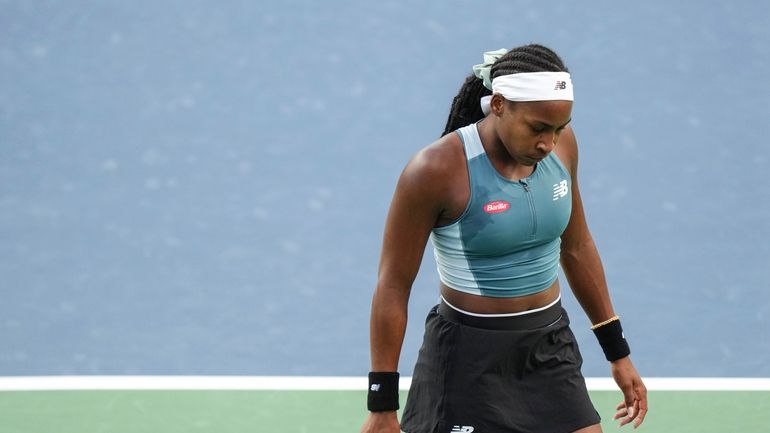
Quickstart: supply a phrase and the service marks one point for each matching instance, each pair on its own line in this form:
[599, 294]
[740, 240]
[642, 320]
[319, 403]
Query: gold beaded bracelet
[600, 324]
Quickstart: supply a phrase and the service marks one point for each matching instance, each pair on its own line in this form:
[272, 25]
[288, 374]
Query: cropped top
[507, 241]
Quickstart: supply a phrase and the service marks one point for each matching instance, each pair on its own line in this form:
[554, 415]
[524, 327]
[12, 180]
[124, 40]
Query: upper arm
[417, 202]
[577, 232]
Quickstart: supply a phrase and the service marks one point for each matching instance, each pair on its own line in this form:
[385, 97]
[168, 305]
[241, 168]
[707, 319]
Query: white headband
[531, 86]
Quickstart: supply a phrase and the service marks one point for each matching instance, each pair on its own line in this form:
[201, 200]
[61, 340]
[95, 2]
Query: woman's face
[529, 131]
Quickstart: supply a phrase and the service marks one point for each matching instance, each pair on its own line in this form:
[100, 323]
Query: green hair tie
[483, 70]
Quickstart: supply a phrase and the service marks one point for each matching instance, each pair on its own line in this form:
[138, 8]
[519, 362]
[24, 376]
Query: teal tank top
[507, 241]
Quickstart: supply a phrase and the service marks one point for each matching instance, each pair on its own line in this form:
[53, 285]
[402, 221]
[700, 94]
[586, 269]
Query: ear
[497, 104]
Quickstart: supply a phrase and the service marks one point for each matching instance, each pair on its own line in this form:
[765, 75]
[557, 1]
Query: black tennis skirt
[498, 375]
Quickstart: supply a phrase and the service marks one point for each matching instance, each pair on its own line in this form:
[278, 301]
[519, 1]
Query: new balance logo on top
[462, 429]
[560, 85]
[560, 190]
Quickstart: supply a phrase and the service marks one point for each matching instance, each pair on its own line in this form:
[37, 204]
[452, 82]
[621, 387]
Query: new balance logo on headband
[534, 86]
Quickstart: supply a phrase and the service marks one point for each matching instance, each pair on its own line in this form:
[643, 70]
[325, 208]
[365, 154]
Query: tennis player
[498, 197]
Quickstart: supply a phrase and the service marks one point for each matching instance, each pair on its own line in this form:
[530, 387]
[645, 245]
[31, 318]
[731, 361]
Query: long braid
[466, 108]
[463, 112]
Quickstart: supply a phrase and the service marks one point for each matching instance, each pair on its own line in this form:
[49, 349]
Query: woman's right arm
[415, 207]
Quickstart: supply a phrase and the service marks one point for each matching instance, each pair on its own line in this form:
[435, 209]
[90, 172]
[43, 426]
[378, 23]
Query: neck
[498, 155]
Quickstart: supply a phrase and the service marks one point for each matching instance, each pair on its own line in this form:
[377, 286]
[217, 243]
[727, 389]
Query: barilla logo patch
[497, 206]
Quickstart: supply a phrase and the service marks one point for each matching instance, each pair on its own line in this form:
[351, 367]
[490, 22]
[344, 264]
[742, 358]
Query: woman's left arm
[585, 274]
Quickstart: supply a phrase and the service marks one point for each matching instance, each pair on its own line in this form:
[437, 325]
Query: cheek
[513, 136]
[522, 134]
[511, 128]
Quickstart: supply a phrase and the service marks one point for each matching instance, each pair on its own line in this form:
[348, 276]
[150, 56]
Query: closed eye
[538, 128]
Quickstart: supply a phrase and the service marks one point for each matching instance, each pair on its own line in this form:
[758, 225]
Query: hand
[381, 422]
[634, 404]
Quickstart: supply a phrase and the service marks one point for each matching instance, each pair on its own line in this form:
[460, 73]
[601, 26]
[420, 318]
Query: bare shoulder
[434, 181]
[434, 166]
[567, 149]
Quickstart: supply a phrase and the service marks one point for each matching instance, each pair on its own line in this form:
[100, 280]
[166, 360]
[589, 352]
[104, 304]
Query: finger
[621, 410]
[642, 412]
[631, 402]
[628, 416]
[640, 418]
[641, 404]
[633, 410]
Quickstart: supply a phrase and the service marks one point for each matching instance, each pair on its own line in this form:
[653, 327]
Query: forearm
[584, 271]
[387, 327]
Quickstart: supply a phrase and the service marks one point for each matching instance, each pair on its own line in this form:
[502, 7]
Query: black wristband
[613, 342]
[383, 391]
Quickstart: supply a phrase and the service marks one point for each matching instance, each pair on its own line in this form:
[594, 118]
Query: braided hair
[466, 108]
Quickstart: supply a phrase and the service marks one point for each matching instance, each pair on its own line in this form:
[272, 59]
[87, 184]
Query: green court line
[324, 411]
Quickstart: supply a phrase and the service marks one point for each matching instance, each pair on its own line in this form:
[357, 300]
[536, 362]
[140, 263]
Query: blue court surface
[199, 188]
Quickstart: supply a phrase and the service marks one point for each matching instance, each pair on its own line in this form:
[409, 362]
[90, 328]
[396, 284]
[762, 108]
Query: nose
[546, 142]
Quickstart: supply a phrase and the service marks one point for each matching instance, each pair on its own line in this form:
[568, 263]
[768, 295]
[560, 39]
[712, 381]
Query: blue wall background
[199, 187]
